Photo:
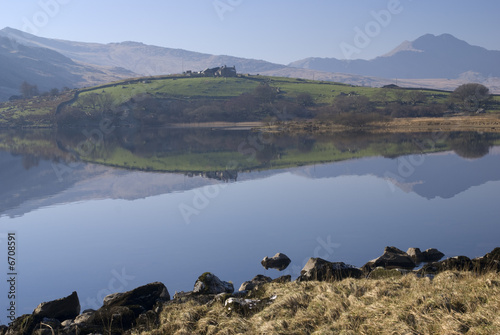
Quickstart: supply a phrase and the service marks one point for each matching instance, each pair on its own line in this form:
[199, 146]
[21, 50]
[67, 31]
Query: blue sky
[279, 31]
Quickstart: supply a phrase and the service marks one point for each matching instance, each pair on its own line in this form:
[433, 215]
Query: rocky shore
[141, 309]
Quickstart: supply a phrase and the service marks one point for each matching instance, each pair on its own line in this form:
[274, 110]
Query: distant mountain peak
[405, 46]
[429, 42]
[427, 57]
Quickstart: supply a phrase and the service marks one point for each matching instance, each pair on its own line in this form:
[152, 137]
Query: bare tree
[28, 90]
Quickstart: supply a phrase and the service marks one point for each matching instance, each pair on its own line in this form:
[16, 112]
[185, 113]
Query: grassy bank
[177, 99]
[451, 303]
[479, 123]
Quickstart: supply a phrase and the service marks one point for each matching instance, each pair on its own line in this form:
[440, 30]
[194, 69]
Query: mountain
[429, 56]
[142, 59]
[428, 62]
[47, 69]
[38, 186]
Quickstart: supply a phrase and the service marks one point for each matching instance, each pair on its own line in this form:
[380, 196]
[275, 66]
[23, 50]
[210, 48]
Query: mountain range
[429, 56]
[442, 62]
[38, 186]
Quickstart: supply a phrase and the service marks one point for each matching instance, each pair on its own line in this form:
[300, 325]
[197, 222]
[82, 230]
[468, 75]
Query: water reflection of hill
[39, 169]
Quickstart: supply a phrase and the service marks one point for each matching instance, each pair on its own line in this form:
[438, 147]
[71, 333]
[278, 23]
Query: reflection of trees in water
[30, 161]
[256, 150]
[33, 145]
[471, 145]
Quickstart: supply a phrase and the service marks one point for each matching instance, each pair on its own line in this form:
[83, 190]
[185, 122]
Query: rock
[110, 297]
[487, 263]
[282, 279]
[459, 263]
[145, 296]
[208, 283]
[184, 297]
[88, 310]
[121, 317]
[67, 323]
[381, 272]
[429, 255]
[494, 255]
[147, 319]
[120, 311]
[322, 270]
[60, 309]
[432, 255]
[392, 258]
[257, 280]
[415, 254]
[181, 295]
[25, 324]
[279, 261]
[83, 318]
[247, 306]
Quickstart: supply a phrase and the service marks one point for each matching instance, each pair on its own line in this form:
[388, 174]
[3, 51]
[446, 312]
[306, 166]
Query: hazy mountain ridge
[47, 69]
[50, 63]
[429, 56]
[140, 58]
[41, 187]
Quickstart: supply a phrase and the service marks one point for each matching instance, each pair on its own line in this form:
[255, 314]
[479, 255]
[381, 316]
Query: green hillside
[166, 100]
[323, 92]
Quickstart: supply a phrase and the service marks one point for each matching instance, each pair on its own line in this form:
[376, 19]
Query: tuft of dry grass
[451, 303]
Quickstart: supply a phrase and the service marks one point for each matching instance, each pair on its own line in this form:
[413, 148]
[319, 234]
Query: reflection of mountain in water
[23, 190]
[49, 184]
[435, 175]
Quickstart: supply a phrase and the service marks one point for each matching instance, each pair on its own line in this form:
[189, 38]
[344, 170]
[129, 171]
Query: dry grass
[452, 303]
[488, 123]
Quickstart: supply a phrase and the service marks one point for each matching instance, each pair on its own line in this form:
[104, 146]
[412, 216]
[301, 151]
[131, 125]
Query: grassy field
[451, 303]
[323, 92]
[38, 112]
[41, 111]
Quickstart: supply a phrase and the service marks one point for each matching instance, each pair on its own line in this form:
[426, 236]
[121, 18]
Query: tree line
[271, 104]
[28, 91]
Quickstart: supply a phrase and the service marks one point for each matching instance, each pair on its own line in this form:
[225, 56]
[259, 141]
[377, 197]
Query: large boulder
[52, 312]
[487, 263]
[121, 311]
[494, 255]
[429, 255]
[322, 270]
[208, 283]
[392, 258]
[279, 261]
[257, 280]
[415, 254]
[432, 255]
[145, 296]
[459, 263]
[60, 309]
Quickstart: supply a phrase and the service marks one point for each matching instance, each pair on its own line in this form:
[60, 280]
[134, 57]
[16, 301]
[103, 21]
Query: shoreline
[399, 125]
[488, 123]
[323, 287]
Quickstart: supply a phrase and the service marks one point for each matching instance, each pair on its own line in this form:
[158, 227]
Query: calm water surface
[96, 229]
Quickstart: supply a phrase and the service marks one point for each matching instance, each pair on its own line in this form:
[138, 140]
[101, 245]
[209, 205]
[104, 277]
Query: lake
[99, 212]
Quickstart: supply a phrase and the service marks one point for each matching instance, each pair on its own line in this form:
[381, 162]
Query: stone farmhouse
[222, 71]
